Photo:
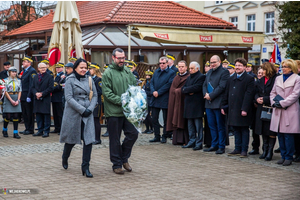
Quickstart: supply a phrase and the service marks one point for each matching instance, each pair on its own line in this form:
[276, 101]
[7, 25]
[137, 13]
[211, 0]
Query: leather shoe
[87, 173]
[280, 162]
[253, 152]
[105, 134]
[5, 134]
[220, 151]
[27, 133]
[287, 162]
[97, 142]
[163, 140]
[118, 171]
[55, 131]
[16, 135]
[21, 132]
[155, 140]
[45, 135]
[211, 149]
[127, 167]
[189, 145]
[277, 150]
[196, 148]
[37, 134]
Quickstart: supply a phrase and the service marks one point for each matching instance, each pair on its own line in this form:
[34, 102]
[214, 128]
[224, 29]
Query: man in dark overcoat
[194, 106]
[41, 88]
[238, 104]
[26, 95]
[4, 73]
[160, 85]
[213, 90]
[56, 98]
[175, 121]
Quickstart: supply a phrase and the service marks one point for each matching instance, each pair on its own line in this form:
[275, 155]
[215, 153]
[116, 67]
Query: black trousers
[97, 128]
[256, 141]
[28, 116]
[156, 125]
[120, 153]
[297, 144]
[148, 120]
[86, 153]
[58, 111]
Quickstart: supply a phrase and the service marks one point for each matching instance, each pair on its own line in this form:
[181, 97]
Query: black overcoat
[58, 91]
[46, 87]
[194, 104]
[239, 96]
[98, 84]
[263, 90]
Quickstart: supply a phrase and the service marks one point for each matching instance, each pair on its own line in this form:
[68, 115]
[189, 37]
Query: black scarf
[78, 76]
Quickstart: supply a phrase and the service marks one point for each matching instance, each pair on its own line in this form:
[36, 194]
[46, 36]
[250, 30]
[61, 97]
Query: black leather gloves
[86, 113]
[277, 105]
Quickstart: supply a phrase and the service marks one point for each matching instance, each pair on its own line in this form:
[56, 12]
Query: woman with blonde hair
[12, 105]
[285, 119]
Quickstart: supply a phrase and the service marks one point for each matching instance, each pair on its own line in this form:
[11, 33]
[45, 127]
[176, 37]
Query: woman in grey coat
[78, 121]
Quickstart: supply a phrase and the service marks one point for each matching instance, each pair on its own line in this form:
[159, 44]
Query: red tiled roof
[125, 12]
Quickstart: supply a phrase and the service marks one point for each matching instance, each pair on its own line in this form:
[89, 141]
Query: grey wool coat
[77, 101]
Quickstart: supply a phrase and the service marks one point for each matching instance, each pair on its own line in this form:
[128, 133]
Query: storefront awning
[185, 35]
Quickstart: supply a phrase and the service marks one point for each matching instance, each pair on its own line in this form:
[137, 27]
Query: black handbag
[266, 113]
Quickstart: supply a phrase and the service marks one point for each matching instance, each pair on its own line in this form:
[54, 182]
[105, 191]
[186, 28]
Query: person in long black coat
[146, 87]
[42, 86]
[94, 70]
[56, 98]
[237, 103]
[262, 97]
[194, 106]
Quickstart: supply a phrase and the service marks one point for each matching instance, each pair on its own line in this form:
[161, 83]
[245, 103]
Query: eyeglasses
[162, 63]
[213, 62]
[285, 67]
[120, 58]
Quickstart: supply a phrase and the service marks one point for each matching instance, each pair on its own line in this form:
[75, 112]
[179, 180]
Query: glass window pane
[273, 26]
[253, 26]
[249, 27]
[101, 40]
[117, 37]
[253, 16]
[267, 27]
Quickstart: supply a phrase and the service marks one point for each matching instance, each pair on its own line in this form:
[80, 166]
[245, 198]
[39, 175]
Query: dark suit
[174, 68]
[97, 110]
[3, 74]
[56, 99]
[238, 97]
[27, 108]
[42, 106]
[216, 121]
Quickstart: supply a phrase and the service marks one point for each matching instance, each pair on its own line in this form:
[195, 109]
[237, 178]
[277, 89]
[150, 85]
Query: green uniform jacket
[115, 82]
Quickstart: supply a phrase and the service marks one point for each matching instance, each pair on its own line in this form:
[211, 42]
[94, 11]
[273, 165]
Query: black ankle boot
[65, 162]
[265, 147]
[86, 172]
[5, 134]
[272, 142]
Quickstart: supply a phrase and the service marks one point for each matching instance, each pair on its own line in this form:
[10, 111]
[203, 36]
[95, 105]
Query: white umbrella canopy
[66, 38]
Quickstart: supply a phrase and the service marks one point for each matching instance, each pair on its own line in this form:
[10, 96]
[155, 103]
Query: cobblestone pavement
[160, 171]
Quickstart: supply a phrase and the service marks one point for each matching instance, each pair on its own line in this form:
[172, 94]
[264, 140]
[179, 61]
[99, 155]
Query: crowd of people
[228, 100]
[197, 110]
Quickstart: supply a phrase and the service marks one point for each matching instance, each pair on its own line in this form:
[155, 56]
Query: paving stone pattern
[160, 171]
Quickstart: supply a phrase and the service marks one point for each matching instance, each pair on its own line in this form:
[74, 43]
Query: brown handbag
[91, 89]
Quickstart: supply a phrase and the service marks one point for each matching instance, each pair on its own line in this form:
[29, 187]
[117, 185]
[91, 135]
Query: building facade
[249, 16]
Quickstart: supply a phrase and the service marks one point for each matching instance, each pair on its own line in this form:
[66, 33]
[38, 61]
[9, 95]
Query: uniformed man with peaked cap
[26, 96]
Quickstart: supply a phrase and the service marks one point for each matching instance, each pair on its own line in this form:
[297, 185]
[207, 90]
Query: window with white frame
[219, 2]
[250, 22]
[234, 20]
[269, 22]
